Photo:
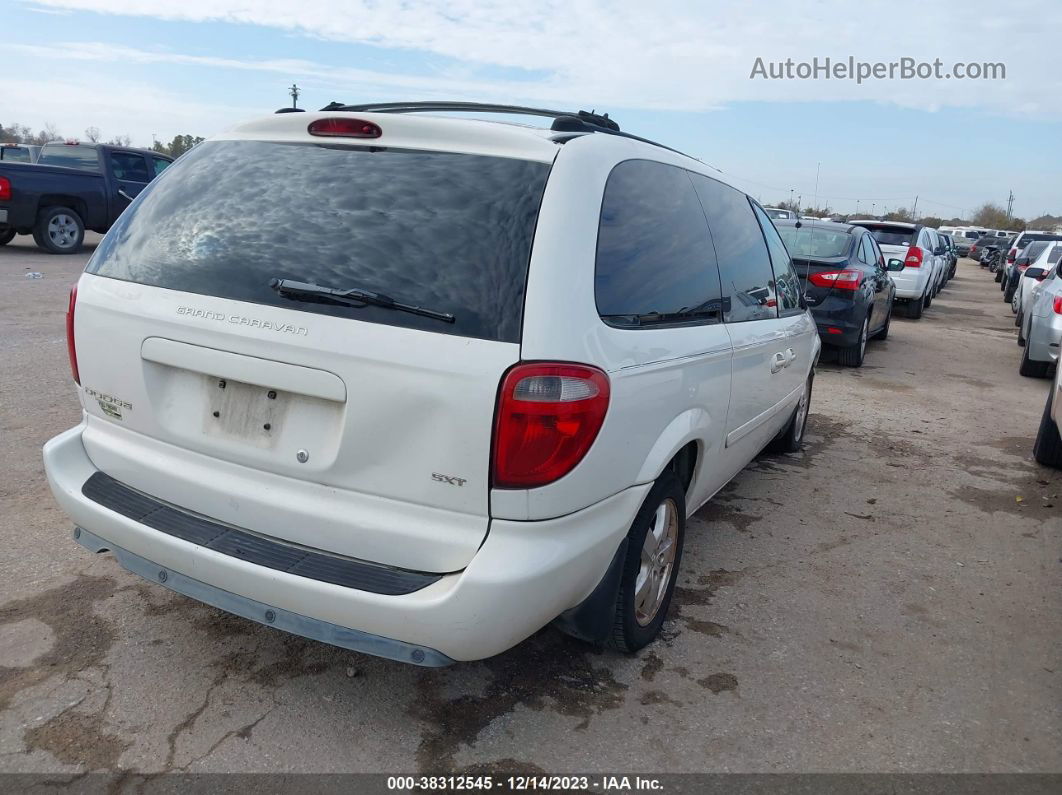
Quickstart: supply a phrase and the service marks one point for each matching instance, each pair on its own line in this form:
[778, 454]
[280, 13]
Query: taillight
[344, 128]
[548, 416]
[5, 189]
[1012, 255]
[843, 280]
[70, 349]
[1057, 305]
[914, 257]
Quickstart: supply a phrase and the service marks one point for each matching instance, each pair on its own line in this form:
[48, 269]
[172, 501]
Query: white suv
[418, 386]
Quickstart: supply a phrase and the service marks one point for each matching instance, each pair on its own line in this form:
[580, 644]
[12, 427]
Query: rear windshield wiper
[352, 297]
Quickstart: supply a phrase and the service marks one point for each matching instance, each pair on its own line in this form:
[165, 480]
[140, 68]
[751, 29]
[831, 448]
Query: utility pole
[857, 208]
[818, 168]
[1010, 203]
[914, 210]
[800, 201]
[791, 198]
[294, 92]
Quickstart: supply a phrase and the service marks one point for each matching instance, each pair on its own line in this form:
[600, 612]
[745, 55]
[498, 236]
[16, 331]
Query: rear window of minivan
[444, 231]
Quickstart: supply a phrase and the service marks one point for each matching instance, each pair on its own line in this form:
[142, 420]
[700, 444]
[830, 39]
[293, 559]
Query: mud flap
[591, 619]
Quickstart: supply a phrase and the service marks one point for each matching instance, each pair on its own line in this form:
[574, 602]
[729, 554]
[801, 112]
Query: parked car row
[1027, 269]
[69, 188]
[855, 273]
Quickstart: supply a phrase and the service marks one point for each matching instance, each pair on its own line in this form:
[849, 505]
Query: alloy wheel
[62, 230]
[657, 562]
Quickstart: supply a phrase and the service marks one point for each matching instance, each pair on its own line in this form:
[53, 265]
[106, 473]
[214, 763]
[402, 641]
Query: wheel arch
[62, 200]
[680, 447]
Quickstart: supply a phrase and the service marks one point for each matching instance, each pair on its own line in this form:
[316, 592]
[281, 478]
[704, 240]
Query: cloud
[78, 101]
[661, 55]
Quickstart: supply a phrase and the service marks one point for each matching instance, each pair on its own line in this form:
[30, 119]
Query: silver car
[1041, 329]
[1048, 446]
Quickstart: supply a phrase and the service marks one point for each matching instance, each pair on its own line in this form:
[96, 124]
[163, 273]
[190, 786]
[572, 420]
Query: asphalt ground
[887, 600]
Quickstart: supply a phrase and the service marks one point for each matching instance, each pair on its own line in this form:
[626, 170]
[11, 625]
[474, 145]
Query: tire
[883, 333]
[999, 276]
[929, 298]
[1021, 332]
[637, 619]
[1047, 449]
[1031, 369]
[1015, 302]
[853, 355]
[1019, 318]
[59, 230]
[1008, 293]
[915, 307]
[7, 236]
[791, 439]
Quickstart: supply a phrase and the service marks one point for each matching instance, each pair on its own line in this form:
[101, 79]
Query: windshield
[811, 242]
[447, 231]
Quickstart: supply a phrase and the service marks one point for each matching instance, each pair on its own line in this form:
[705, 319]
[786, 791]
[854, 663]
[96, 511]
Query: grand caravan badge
[243, 320]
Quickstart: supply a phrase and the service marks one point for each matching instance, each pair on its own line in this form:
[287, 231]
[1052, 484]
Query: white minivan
[419, 385]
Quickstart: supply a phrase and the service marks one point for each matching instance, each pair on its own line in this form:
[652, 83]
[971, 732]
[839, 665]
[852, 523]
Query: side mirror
[895, 265]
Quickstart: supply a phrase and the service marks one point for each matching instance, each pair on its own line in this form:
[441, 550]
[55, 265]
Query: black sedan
[846, 281]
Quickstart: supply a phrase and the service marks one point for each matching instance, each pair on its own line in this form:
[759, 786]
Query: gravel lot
[889, 600]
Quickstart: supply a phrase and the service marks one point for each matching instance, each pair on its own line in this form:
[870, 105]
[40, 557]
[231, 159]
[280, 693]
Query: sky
[678, 72]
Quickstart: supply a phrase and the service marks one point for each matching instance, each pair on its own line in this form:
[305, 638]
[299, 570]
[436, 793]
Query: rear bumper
[912, 282]
[839, 320]
[524, 576]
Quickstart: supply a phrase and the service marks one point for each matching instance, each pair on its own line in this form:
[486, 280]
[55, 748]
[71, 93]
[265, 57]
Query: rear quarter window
[448, 232]
[749, 290]
[655, 263]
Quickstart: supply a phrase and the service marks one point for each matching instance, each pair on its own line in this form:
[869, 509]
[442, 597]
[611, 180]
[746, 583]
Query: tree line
[24, 134]
[989, 215]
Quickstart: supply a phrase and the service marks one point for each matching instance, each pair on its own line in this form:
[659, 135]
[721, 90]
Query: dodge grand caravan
[418, 385]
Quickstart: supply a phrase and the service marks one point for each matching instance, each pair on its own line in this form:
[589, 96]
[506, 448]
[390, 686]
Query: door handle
[124, 195]
[778, 361]
[790, 356]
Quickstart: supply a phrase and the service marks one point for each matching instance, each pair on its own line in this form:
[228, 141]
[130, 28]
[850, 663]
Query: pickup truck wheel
[6, 236]
[650, 569]
[59, 230]
[1047, 449]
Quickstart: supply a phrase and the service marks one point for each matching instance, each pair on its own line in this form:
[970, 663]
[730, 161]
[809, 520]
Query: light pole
[791, 190]
[857, 208]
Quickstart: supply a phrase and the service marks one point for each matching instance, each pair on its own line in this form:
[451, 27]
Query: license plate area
[245, 412]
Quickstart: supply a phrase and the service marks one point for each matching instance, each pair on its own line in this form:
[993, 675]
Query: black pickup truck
[72, 187]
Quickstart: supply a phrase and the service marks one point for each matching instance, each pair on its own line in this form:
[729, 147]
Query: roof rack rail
[584, 118]
[574, 122]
